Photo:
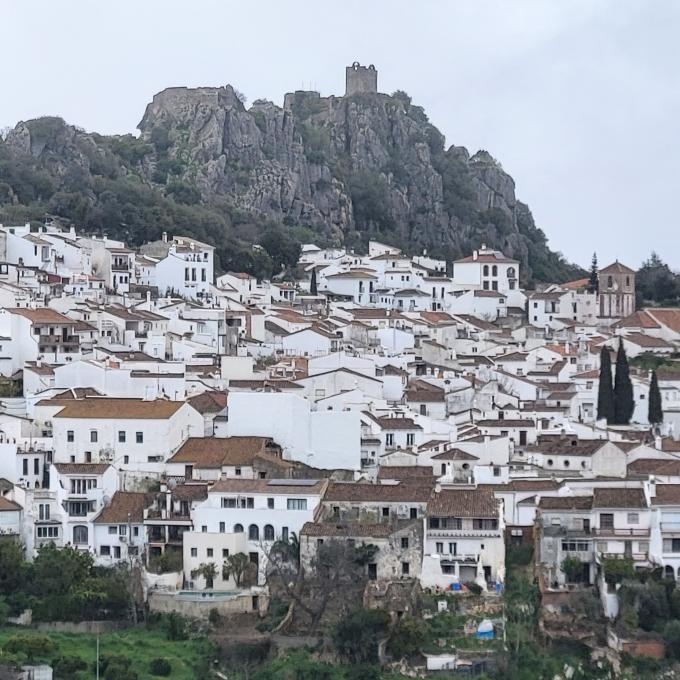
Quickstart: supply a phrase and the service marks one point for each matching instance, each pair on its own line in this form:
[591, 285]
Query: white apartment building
[135, 435]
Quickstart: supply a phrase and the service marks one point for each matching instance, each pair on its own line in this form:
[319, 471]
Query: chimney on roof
[658, 443]
[165, 237]
[475, 254]
[437, 488]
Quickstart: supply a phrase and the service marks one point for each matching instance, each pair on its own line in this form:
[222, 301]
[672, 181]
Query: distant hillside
[336, 170]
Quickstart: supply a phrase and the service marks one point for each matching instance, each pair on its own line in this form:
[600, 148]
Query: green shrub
[671, 636]
[65, 667]
[116, 668]
[473, 587]
[32, 646]
[176, 627]
[356, 636]
[407, 637]
[160, 666]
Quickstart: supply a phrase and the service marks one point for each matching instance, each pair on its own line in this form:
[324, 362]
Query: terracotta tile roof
[214, 452]
[438, 317]
[655, 466]
[488, 294]
[619, 498]
[668, 444]
[478, 323]
[578, 283]
[6, 505]
[377, 493]
[668, 317]
[454, 454]
[463, 503]
[82, 468]
[387, 423]
[377, 313]
[569, 446]
[643, 340]
[209, 402]
[667, 494]
[43, 369]
[289, 487]
[420, 390]
[617, 268]
[124, 408]
[639, 319]
[406, 473]
[43, 315]
[125, 506]
[77, 393]
[352, 274]
[533, 484]
[566, 503]
[486, 258]
[506, 422]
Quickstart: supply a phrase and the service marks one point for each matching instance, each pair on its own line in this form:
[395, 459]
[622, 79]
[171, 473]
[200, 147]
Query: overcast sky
[578, 99]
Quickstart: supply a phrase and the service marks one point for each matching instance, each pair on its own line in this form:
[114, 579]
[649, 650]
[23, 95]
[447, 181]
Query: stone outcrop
[348, 168]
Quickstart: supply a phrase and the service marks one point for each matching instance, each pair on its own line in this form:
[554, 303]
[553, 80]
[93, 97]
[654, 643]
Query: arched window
[253, 532]
[80, 535]
[486, 270]
[511, 272]
[268, 532]
[238, 528]
[628, 280]
[494, 270]
[669, 572]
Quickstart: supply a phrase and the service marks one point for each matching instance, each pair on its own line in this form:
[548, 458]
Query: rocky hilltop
[338, 170]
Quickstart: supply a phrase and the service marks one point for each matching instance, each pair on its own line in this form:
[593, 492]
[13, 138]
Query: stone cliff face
[346, 168]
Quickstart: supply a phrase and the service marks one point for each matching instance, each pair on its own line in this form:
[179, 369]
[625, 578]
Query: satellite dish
[172, 483]
[106, 500]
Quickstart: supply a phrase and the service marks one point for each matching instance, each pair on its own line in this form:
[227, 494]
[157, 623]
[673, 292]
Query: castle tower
[616, 291]
[360, 79]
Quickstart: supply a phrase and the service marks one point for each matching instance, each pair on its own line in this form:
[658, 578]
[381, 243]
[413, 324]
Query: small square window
[194, 552]
[139, 437]
[225, 552]
[404, 542]
[209, 552]
[270, 503]
[121, 436]
[633, 518]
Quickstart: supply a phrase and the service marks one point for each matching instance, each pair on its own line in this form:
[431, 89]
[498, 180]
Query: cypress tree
[593, 280]
[655, 412]
[312, 283]
[624, 404]
[605, 391]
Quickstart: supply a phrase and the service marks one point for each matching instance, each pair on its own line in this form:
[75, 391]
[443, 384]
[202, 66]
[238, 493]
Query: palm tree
[208, 570]
[235, 565]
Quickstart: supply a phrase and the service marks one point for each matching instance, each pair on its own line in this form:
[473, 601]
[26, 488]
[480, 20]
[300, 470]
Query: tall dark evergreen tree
[605, 392]
[624, 403]
[312, 283]
[593, 280]
[655, 408]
